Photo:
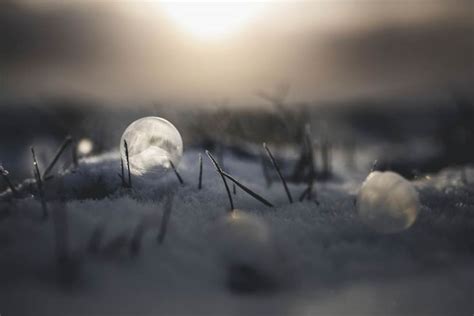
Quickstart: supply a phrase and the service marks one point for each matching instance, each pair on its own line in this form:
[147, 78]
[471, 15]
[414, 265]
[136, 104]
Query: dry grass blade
[122, 174]
[166, 217]
[308, 192]
[247, 190]
[374, 166]
[200, 172]
[176, 172]
[39, 183]
[306, 160]
[128, 164]
[308, 144]
[312, 169]
[4, 173]
[75, 160]
[277, 168]
[66, 142]
[219, 170]
[309, 147]
[304, 194]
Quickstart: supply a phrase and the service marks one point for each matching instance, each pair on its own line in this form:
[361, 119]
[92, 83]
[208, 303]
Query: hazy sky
[133, 50]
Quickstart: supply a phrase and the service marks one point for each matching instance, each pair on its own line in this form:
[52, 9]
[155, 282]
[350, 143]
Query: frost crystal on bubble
[152, 143]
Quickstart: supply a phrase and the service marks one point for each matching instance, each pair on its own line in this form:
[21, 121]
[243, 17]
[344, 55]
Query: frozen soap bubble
[387, 202]
[243, 238]
[152, 143]
[243, 243]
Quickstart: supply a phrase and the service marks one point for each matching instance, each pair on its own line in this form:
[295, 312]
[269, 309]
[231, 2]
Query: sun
[211, 19]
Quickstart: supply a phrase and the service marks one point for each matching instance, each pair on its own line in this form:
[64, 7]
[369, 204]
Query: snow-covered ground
[324, 260]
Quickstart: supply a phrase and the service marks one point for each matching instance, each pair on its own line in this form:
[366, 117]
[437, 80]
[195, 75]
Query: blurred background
[389, 79]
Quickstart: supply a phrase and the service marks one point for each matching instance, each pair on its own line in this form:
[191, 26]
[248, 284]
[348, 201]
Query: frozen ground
[327, 262]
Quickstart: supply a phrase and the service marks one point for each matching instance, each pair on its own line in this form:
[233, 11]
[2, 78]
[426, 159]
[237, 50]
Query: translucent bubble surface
[243, 238]
[152, 143]
[387, 202]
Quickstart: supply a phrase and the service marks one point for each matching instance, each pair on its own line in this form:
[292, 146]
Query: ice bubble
[152, 143]
[242, 237]
[245, 245]
[387, 202]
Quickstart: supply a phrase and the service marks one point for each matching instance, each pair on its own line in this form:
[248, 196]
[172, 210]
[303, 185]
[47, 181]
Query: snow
[324, 259]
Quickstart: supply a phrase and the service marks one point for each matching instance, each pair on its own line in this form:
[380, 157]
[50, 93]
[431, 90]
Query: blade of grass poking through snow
[220, 172]
[60, 150]
[122, 175]
[304, 193]
[247, 190]
[312, 170]
[75, 161]
[168, 206]
[4, 173]
[128, 164]
[306, 158]
[200, 172]
[176, 172]
[39, 183]
[308, 192]
[277, 168]
[374, 166]
[309, 147]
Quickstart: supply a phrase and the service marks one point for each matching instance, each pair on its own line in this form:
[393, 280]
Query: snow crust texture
[320, 259]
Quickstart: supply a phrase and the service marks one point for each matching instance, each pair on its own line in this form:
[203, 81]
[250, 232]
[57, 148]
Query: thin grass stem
[128, 164]
[122, 175]
[39, 184]
[176, 173]
[374, 166]
[219, 170]
[75, 160]
[247, 190]
[277, 168]
[200, 172]
[56, 157]
[4, 173]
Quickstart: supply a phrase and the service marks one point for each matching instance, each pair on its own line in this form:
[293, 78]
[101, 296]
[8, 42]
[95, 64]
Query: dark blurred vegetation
[444, 123]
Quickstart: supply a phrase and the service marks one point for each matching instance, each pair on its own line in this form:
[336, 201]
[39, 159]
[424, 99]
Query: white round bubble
[243, 238]
[152, 143]
[387, 202]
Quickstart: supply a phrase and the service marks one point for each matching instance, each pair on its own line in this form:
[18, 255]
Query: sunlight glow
[211, 19]
[85, 146]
